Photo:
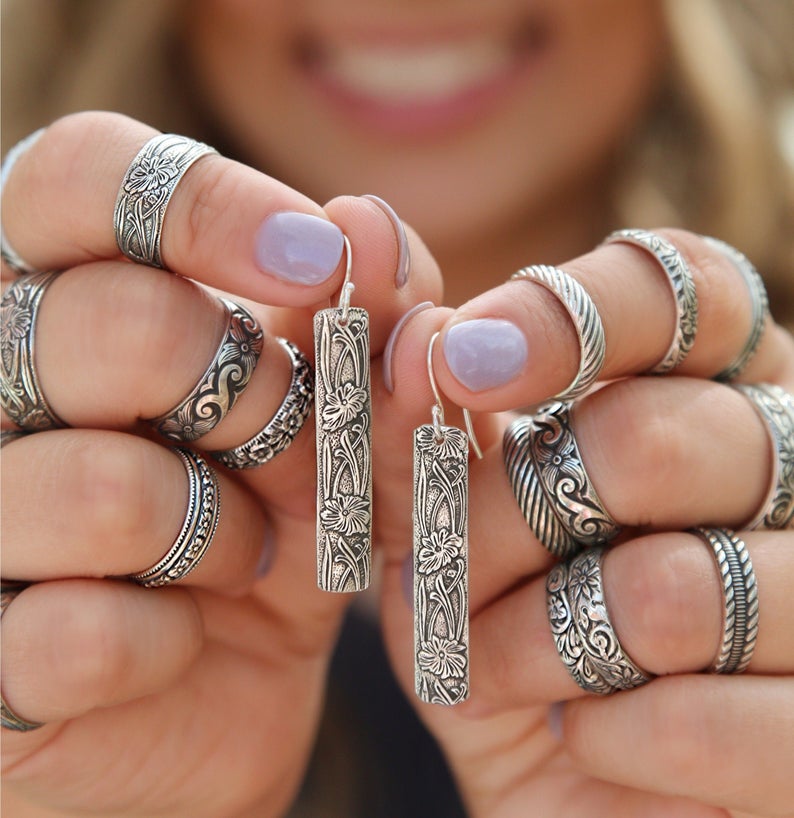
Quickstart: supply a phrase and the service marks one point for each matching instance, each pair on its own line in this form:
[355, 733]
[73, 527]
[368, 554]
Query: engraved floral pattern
[438, 550]
[342, 405]
[346, 514]
[15, 322]
[150, 173]
[443, 657]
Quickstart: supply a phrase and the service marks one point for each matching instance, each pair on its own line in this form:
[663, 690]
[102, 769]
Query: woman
[507, 135]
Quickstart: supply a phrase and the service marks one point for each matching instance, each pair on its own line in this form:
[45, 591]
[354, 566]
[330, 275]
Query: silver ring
[586, 320]
[198, 529]
[740, 599]
[776, 408]
[8, 718]
[758, 300]
[284, 426]
[223, 382]
[9, 435]
[9, 255]
[677, 271]
[551, 484]
[591, 619]
[21, 395]
[146, 190]
[566, 636]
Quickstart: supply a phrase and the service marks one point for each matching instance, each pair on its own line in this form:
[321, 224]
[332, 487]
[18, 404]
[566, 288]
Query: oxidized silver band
[283, 427]
[740, 599]
[21, 395]
[591, 619]
[676, 269]
[586, 320]
[776, 408]
[146, 190]
[566, 636]
[223, 382]
[10, 720]
[759, 302]
[198, 529]
[9, 255]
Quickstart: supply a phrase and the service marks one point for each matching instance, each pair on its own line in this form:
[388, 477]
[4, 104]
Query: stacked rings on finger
[9, 255]
[198, 528]
[589, 647]
[279, 432]
[776, 408]
[586, 320]
[677, 271]
[223, 382]
[760, 308]
[9, 719]
[21, 394]
[550, 482]
[146, 191]
[740, 599]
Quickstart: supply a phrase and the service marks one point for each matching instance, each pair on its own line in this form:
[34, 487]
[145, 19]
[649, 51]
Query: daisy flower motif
[557, 460]
[582, 576]
[438, 550]
[185, 425]
[346, 514]
[150, 173]
[448, 447]
[15, 322]
[242, 346]
[442, 657]
[342, 405]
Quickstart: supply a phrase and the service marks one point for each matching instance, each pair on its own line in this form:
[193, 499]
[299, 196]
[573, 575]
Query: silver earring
[344, 443]
[440, 554]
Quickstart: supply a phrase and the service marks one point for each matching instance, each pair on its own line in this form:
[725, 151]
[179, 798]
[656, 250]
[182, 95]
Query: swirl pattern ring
[586, 320]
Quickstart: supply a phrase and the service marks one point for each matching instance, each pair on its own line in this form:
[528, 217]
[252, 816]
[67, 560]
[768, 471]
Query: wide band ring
[21, 395]
[198, 529]
[285, 424]
[8, 719]
[224, 381]
[760, 308]
[586, 320]
[146, 190]
[9, 255]
[740, 599]
[776, 408]
[683, 285]
[550, 482]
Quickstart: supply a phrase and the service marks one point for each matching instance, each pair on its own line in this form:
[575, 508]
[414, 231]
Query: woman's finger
[115, 506]
[62, 659]
[516, 344]
[656, 738]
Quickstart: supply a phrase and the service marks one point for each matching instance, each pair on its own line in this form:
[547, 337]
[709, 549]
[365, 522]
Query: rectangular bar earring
[344, 443]
[440, 556]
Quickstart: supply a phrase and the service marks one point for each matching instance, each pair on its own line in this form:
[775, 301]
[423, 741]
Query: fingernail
[395, 334]
[554, 720]
[268, 553]
[403, 251]
[407, 579]
[485, 352]
[298, 248]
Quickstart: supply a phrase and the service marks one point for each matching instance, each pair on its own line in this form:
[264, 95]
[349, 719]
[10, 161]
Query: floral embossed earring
[440, 535]
[344, 443]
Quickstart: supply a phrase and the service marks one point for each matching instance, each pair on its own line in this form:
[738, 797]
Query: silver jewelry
[344, 443]
[198, 529]
[21, 395]
[146, 190]
[9, 255]
[441, 555]
[740, 599]
[586, 320]
[677, 271]
[9, 591]
[223, 382]
[285, 424]
[591, 619]
[566, 636]
[9, 435]
[776, 408]
[759, 302]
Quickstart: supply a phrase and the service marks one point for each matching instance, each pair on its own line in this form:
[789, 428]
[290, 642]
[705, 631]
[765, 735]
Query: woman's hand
[201, 698]
[664, 454]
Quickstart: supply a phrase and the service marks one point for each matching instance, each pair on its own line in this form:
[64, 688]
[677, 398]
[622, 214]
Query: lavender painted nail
[485, 352]
[298, 247]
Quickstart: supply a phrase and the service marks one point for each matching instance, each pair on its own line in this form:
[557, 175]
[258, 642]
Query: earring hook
[347, 285]
[438, 407]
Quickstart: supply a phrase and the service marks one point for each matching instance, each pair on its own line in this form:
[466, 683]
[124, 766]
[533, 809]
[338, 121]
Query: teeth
[417, 73]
